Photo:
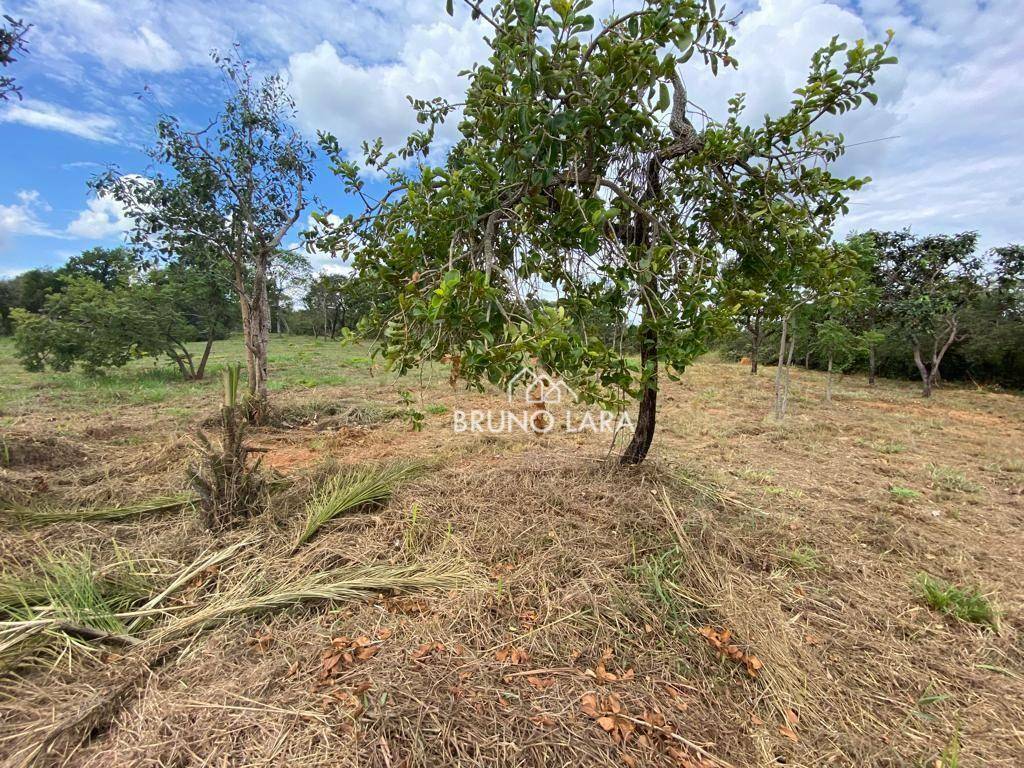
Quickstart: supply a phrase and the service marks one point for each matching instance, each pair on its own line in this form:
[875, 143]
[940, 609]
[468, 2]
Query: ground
[585, 614]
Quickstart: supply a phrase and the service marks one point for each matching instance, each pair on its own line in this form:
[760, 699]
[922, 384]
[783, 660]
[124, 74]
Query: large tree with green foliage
[234, 187]
[927, 283]
[581, 177]
[97, 327]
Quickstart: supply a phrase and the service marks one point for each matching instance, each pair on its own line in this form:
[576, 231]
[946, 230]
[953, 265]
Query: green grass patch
[802, 557]
[903, 494]
[967, 604]
[951, 480]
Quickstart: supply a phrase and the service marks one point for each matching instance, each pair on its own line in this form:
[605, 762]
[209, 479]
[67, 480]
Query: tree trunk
[755, 346]
[926, 375]
[792, 346]
[828, 382]
[256, 329]
[871, 365]
[782, 374]
[201, 370]
[807, 361]
[643, 432]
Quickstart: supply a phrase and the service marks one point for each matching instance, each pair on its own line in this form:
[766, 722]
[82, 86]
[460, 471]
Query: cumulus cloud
[22, 217]
[357, 101]
[942, 146]
[103, 217]
[43, 114]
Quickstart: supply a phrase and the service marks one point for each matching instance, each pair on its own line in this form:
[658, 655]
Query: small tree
[12, 41]
[926, 284]
[98, 328]
[580, 175]
[838, 346]
[235, 187]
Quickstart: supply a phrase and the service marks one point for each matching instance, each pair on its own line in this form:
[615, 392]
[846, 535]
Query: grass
[63, 605]
[352, 489]
[803, 557]
[951, 480]
[297, 363]
[904, 494]
[967, 604]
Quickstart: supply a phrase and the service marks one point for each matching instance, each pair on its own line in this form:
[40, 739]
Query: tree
[35, 286]
[12, 41]
[926, 285]
[99, 328]
[339, 301]
[580, 175]
[236, 187]
[838, 345]
[107, 266]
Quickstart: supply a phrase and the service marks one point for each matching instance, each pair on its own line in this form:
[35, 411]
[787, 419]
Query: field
[755, 594]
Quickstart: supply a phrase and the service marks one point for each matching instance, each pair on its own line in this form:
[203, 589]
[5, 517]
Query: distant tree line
[927, 307]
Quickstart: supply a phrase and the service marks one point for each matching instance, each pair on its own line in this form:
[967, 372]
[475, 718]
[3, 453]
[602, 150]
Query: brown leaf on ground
[426, 650]
[789, 733]
[512, 655]
[540, 683]
[590, 705]
[544, 720]
[722, 642]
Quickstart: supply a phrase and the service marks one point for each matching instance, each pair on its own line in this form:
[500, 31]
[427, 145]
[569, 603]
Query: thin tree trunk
[828, 382]
[755, 346]
[926, 375]
[807, 361]
[782, 374]
[201, 371]
[792, 346]
[871, 365]
[643, 432]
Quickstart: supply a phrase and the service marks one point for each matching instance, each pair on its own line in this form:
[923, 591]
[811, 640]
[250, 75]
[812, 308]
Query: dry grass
[589, 573]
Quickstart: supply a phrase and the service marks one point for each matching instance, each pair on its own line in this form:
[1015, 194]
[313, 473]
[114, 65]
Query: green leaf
[664, 98]
[449, 6]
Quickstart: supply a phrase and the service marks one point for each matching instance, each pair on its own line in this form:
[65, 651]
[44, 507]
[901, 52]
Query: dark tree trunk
[755, 346]
[643, 433]
[871, 365]
[201, 370]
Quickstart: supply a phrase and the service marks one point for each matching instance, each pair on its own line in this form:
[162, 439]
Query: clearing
[752, 595]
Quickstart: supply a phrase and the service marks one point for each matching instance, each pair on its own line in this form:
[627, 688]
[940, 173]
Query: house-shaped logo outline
[541, 388]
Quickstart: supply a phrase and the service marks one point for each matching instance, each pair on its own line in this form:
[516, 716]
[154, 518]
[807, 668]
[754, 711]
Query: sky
[942, 147]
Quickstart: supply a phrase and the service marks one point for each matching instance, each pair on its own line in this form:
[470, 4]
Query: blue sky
[942, 147]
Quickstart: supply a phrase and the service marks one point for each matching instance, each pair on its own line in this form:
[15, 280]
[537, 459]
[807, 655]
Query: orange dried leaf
[540, 682]
[589, 705]
[789, 733]
[607, 722]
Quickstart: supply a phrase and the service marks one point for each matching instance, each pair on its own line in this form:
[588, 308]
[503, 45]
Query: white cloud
[359, 102]
[42, 114]
[103, 217]
[22, 217]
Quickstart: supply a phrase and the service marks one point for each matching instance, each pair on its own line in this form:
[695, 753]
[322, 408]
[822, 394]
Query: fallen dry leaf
[512, 655]
[540, 682]
[789, 733]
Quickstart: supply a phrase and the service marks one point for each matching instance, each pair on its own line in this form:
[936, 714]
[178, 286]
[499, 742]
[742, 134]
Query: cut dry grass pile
[353, 489]
[251, 595]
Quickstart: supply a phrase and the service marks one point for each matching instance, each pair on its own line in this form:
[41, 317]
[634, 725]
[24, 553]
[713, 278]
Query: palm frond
[352, 489]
